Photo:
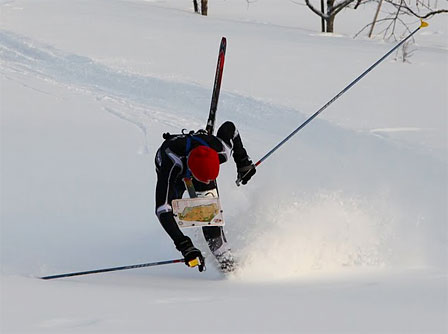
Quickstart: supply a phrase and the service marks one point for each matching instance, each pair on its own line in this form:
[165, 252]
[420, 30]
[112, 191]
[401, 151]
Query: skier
[199, 155]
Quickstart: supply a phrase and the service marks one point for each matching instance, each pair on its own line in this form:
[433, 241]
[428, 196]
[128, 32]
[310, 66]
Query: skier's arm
[229, 134]
[169, 168]
[164, 195]
[167, 171]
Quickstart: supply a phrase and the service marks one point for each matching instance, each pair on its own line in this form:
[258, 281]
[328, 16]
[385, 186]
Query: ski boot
[226, 262]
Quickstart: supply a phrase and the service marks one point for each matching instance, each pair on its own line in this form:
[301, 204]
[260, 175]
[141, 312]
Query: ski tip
[423, 24]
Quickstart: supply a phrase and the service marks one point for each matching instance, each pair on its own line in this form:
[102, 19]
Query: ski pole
[423, 24]
[105, 270]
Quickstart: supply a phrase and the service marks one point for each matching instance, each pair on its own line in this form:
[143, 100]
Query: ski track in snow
[77, 72]
[144, 100]
[67, 323]
[168, 101]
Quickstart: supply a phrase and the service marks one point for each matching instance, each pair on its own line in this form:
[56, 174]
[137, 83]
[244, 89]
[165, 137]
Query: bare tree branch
[358, 2]
[315, 11]
[342, 5]
[398, 11]
[407, 8]
[368, 25]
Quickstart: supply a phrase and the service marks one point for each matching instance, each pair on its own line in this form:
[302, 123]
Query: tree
[397, 11]
[204, 7]
[333, 8]
[195, 6]
[401, 13]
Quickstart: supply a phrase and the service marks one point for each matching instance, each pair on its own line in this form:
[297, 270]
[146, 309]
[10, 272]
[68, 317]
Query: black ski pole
[105, 270]
[422, 25]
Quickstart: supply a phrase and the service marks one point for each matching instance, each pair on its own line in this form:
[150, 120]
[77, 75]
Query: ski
[216, 87]
[210, 127]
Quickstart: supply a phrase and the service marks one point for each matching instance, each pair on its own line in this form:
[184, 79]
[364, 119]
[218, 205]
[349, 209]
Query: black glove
[193, 256]
[246, 172]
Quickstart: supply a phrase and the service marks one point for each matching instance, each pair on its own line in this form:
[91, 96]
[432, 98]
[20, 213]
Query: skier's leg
[217, 242]
[214, 235]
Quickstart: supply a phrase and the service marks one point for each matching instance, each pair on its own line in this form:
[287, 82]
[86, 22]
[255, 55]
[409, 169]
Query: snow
[341, 230]
[130, 303]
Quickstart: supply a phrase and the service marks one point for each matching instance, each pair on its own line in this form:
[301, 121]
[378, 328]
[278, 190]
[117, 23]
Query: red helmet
[203, 162]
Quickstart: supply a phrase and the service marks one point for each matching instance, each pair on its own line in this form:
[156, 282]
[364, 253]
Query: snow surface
[343, 230]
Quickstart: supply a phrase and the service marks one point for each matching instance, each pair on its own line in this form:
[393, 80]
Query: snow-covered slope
[342, 230]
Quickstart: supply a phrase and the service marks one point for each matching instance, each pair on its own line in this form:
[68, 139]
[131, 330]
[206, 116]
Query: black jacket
[171, 168]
